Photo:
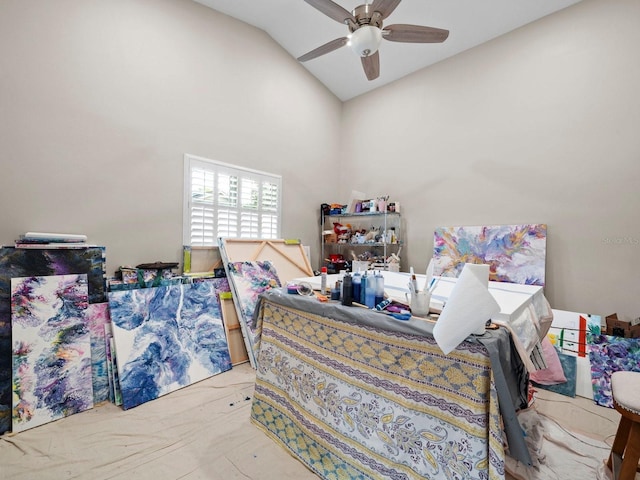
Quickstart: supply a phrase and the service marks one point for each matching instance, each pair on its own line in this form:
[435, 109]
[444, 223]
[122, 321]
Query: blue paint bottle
[370, 293]
[363, 289]
[355, 284]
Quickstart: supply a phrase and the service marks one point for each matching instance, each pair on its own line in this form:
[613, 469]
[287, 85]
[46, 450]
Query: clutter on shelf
[372, 225]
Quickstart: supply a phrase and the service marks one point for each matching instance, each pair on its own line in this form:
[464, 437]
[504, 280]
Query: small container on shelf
[359, 266]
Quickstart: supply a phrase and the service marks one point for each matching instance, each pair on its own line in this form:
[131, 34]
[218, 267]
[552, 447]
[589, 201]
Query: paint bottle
[379, 292]
[355, 282]
[323, 280]
[347, 290]
[363, 288]
[335, 292]
[370, 293]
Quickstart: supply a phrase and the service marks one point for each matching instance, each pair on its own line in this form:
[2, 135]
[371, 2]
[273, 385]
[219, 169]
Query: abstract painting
[610, 354]
[97, 317]
[514, 253]
[568, 331]
[51, 349]
[21, 262]
[166, 338]
[248, 281]
[115, 395]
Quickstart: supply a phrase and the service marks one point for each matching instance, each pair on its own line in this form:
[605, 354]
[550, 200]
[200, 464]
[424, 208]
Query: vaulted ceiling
[299, 28]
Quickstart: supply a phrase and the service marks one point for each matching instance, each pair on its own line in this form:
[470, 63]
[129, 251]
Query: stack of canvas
[26, 263]
[60, 353]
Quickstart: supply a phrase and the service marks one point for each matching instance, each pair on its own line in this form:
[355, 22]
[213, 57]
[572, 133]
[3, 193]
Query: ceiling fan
[365, 25]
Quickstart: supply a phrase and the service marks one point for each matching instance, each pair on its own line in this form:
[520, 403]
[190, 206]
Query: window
[223, 200]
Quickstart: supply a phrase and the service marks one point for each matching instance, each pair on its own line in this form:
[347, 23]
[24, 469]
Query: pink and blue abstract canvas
[97, 316]
[51, 355]
[514, 253]
[248, 281]
[166, 338]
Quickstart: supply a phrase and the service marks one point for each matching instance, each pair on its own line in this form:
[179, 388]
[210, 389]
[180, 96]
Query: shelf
[376, 244]
[383, 225]
[364, 214]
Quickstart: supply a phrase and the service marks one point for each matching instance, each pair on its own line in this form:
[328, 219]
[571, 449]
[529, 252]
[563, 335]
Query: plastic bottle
[335, 292]
[379, 292]
[347, 290]
[356, 282]
[323, 280]
[363, 288]
[370, 293]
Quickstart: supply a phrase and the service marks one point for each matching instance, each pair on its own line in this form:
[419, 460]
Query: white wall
[100, 100]
[538, 126]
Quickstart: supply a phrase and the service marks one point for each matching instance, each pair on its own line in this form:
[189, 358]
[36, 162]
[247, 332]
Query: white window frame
[193, 161]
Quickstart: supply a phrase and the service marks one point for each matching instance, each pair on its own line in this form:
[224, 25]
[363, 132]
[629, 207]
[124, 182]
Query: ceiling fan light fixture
[365, 40]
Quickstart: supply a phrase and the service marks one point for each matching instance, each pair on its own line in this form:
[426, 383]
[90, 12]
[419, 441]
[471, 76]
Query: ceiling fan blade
[371, 66]
[326, 48]
[384, 7]
[414, 34]
[332, 10]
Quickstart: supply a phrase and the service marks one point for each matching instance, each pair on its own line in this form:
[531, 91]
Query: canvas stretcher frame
[288, 258]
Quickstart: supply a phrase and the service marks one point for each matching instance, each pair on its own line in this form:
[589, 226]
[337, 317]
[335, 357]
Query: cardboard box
[621, 328]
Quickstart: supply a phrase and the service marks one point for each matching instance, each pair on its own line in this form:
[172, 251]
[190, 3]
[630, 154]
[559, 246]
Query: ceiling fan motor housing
[364, 15]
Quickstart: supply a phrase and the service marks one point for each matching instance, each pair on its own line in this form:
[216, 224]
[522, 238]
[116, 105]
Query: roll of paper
[467, 309]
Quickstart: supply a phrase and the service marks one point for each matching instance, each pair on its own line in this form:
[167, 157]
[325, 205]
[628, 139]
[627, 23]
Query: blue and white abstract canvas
[166, 338]
[51, 355]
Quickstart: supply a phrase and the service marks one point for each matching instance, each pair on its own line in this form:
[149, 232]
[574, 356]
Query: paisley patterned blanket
[354, 401]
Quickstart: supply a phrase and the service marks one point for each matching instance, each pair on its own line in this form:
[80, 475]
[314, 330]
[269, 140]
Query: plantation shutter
[228, 201]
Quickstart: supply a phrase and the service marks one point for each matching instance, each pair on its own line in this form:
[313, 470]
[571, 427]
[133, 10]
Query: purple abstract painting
[51, 357]
[609, 354]
[23, 262]
[514, 253]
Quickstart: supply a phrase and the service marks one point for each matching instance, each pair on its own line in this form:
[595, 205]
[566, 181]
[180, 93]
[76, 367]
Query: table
[354, 393]
[524, 310]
